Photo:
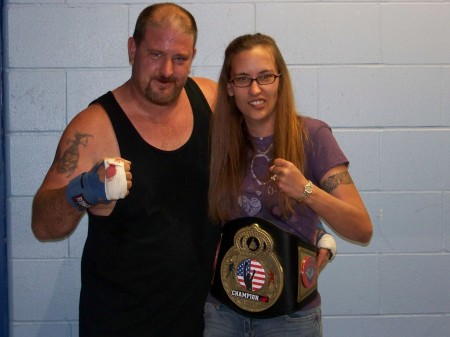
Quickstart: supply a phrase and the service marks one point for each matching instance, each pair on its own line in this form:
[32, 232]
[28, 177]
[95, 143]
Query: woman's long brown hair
[230, 140]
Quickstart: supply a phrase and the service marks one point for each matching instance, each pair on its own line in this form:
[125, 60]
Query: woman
[273, 175]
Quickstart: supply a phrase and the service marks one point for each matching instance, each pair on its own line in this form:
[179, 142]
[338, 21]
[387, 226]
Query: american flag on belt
[246, 267]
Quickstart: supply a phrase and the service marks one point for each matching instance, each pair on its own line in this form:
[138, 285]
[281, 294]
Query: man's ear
[131, 50]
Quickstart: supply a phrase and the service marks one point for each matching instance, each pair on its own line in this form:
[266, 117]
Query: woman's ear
[230, 89]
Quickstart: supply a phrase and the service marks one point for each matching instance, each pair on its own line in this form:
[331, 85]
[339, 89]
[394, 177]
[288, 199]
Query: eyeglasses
[245, 81]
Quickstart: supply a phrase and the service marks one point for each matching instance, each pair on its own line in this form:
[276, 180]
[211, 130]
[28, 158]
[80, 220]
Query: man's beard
[163, 97]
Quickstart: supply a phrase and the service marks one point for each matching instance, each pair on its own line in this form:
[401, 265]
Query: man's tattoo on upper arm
[336, 179]
[68, 161]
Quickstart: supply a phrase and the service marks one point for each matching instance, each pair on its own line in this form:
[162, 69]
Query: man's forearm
[52, 216]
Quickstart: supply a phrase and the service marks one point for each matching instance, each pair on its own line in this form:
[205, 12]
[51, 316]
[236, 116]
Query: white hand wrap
[327, 241]
[115, 179]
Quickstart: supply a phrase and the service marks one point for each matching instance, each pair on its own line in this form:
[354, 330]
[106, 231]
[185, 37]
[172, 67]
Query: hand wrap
[115, 179]
[327, 241]
[87, 190]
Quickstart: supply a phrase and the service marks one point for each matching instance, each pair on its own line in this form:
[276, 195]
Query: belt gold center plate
[250, 272]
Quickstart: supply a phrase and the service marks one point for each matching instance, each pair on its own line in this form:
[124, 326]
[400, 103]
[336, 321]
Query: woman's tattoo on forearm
[336, 179]
[68, 161]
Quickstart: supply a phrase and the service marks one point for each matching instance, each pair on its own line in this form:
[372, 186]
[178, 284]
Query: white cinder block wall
[377, 72]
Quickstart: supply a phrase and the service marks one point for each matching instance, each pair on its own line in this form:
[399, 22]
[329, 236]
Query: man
[148, 256]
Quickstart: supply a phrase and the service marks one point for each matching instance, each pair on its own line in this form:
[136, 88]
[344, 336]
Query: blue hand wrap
[86, 190]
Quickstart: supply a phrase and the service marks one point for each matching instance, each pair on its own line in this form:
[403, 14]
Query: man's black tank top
[146, 268]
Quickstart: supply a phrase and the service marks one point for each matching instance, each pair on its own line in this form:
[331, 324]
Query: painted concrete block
[67, 36]
[416, 33]
[37, 100]
[312, 33]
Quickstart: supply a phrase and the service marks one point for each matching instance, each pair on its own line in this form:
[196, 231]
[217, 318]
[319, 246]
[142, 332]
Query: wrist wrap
[86, 190]
[327, 241]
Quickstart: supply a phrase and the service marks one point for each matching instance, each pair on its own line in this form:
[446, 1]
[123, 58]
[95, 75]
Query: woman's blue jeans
[220, 321]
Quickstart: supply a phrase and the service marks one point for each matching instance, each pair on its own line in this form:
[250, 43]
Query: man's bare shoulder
[92, 113]
[209, 89]
[88, 138]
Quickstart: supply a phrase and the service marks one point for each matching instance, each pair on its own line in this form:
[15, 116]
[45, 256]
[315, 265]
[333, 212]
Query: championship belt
[262, 271]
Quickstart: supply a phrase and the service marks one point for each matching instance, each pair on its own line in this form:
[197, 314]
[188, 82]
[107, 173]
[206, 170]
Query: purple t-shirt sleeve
[323, 151]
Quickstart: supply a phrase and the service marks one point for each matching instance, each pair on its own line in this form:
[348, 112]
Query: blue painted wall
[3, 258]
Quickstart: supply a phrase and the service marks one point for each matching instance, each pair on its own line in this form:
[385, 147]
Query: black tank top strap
[196, 96]
[122, 126]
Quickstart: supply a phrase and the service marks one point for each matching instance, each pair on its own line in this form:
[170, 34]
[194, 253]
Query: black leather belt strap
[263, 271]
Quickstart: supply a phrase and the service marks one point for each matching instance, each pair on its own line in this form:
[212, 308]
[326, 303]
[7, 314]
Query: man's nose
[167, 67]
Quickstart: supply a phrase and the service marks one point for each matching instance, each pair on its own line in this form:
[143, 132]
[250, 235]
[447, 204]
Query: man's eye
[155, 54]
